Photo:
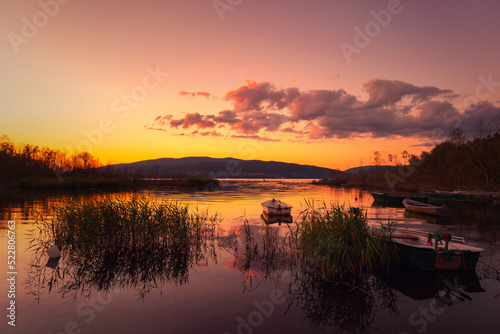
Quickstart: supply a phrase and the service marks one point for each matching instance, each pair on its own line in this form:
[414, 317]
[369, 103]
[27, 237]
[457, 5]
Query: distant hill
[223, 168]
[368, 169]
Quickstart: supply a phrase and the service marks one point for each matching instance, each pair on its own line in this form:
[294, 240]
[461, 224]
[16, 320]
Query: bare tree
[457, 136]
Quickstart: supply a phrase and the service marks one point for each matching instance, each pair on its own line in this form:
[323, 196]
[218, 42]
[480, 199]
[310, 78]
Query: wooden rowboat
[435, 251]
[420, 207]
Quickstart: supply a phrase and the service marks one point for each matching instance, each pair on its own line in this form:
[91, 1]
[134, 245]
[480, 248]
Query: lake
[215, 291]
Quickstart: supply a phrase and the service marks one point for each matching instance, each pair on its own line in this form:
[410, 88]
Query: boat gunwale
[422, 240]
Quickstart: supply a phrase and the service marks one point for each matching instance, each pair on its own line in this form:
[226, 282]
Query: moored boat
[420, 207]
[276, 207]
[435, 251]
[383, 197]
[470, 197]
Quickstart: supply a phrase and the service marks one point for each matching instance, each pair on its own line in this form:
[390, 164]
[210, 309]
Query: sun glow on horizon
[144, 82]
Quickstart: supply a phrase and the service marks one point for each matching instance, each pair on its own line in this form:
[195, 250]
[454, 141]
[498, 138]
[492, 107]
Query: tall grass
[327, 260]
[134, 223]
[328, 243]
[339, 244]
[107, 242]
[140, 241]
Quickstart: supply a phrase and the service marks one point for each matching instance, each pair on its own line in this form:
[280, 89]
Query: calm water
[220, 293]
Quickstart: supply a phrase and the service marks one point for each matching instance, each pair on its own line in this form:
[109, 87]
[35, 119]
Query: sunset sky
[324, 82]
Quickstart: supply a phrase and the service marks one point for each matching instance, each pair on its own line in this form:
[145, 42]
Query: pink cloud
[393, 108]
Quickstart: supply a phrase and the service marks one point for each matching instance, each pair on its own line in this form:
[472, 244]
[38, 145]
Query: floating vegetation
[109, 242]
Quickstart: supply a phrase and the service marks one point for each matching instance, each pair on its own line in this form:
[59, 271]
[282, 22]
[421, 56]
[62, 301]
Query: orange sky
[325, 84]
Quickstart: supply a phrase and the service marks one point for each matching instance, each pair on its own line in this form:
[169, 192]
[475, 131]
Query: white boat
[276, 207]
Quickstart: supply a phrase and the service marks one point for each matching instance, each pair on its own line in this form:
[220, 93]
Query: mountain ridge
[222, 168]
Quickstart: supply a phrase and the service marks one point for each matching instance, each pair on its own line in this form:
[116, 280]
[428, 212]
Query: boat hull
[460, 197]
[429, 259]
[419, 207]
[276, 211]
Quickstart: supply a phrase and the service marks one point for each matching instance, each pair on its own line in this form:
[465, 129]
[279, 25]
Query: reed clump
[108, 241]
[134, 222]
[338, 243]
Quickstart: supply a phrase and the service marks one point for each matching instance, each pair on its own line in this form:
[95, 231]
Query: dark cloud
[393, 108]
[226, 117]
[261, 96]
[195, 119]
[388, 92]
[163, 120]
[254, 121]
[483, 112]
[317, 103]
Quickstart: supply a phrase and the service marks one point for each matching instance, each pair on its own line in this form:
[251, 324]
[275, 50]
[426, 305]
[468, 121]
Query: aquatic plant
[339, 244]
[280, 255]
[333, 241]
[113, 242]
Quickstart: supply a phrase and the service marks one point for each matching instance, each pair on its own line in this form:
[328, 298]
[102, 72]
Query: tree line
[460, 163]
[22, 161]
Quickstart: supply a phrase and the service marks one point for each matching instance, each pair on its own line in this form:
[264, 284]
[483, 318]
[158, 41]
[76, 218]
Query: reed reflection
[270, 255]
[111, 243]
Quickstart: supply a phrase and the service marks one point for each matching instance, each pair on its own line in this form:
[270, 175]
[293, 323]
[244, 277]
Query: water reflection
[98, 269]
[325, 305]
[108, 245]
[259, 253]
[422, 285]
[347, 308]
[269, 257]
[428, 218]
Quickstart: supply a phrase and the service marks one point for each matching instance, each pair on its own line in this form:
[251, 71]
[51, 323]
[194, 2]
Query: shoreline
[89, 183]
